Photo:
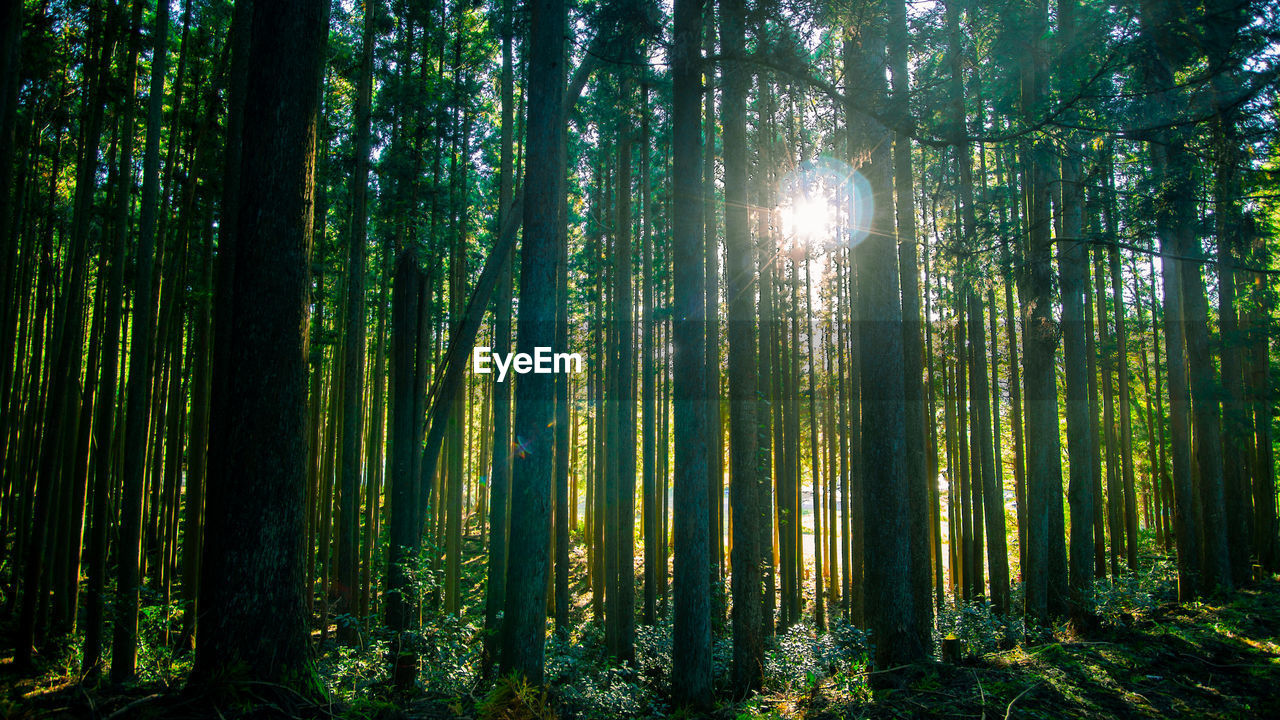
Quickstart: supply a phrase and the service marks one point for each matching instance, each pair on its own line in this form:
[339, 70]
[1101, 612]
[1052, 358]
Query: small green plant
[979, 628]
[352, 674]
[372, 710]
[514, 698]
[1120, 600]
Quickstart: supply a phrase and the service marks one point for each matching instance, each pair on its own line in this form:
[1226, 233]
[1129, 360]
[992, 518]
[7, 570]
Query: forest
[377, 359]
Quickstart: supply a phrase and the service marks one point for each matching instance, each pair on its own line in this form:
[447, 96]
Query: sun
[807, 218]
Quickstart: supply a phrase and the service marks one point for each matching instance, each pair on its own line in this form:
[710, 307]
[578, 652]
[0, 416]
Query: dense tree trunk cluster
[881, 309]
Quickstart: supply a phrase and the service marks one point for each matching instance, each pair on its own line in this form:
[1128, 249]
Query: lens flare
[807, 219]
[825, 199]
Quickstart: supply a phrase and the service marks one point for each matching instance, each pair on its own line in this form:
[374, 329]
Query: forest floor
[1149, 658]
[1217, 659]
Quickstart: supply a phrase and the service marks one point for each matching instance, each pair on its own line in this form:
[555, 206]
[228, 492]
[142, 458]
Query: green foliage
[159, 661]
[372, 710]
[977, 626]
[798, 658]
[449, 654]
[589, 684]
[514, 698]
[1118, 601]
[352, 674]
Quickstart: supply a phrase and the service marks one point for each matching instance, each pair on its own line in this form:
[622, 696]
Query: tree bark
[255, 508]
[124, 638]
[691, 652]
[1044, 465]
[747, 554]
[894, 620]
[525, 609]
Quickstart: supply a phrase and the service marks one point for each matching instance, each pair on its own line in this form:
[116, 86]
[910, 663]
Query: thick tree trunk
[624, 397]
[400, 605]
[894, 620]
[1044, 464]
[691, 652]
[1222, 34]
[1072, 266]
[918, 480]
[255, 508]
[1202, 558]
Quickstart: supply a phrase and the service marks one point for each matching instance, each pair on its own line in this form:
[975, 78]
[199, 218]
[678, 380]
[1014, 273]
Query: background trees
[242, 280]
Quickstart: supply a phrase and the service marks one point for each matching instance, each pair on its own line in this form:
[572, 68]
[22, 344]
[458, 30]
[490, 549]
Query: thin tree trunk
[124, 638]
[500, 467]
[647, 381]
[711, 247]
[353, 354]
[747, 515]
[524, 633]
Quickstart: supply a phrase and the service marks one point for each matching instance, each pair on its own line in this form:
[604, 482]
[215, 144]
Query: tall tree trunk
[500, 467]
[1174, 173]
[561, 512]
[715, 431]
[525, 611]
[1044, 464]
[124, 639]
[1095, 458]
[1016, 417]
[816, 466]
[768, 444]
[918, 480]
[691, 654]
[240, 42]
[1073, 258]
[1222, 33]
[353, 353]
[747, 554]
[648, 386]
[104, 427]
[255, 510]
[400, 605]
[1170, 173]
[623, 589]
[894, 620]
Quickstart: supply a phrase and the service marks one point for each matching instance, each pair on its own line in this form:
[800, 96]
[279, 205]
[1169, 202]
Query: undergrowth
[1142, 660]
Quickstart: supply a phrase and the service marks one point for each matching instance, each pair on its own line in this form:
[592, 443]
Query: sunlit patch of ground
[1204, 660]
